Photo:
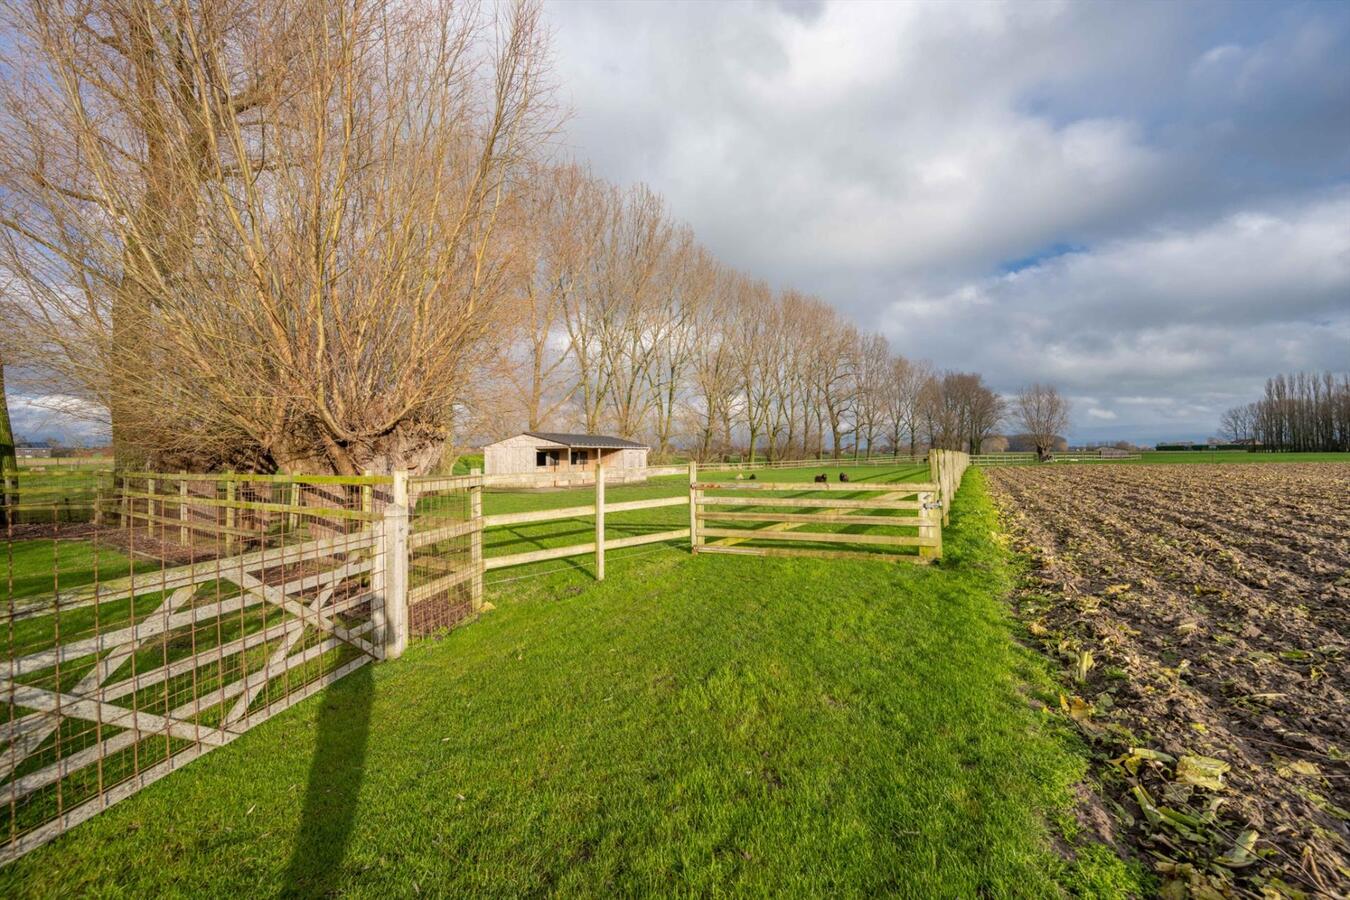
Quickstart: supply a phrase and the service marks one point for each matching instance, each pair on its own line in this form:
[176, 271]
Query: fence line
[1028, 458]
[174, 611]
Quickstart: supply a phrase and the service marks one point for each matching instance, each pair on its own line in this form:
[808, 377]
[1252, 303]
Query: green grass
[692, 725]
[38, 567]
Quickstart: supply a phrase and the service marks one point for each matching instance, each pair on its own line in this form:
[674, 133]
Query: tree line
[624, 323]
[331, 237]
[1299, 412]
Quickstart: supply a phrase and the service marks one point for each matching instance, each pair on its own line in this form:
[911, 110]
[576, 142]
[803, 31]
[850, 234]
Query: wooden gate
[899, 522]
[112, 685]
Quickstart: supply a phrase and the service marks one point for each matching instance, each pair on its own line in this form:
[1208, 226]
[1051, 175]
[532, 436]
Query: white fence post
[599, 521]
[389, 579]
[694, 539]
[476, 540]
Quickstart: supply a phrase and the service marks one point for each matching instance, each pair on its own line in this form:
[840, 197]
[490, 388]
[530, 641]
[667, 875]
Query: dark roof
[600, 441]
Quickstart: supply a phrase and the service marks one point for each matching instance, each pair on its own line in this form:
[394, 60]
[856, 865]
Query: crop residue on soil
[1200, 614]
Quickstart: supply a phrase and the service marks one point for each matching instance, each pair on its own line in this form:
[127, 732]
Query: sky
[1147, 204]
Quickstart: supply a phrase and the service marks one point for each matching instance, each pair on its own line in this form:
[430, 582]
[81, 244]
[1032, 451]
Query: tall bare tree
[904, 395]
[266, 232]
[1043, 413]
[558, 213]
[873, 372]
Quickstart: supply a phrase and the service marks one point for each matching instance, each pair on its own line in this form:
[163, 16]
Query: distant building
[568, 457]
[34, 450]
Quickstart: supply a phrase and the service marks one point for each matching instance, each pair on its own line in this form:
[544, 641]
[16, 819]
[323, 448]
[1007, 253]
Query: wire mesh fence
[155, 617]
[445, 552]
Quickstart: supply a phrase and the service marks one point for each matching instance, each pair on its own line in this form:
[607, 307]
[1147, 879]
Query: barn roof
[598, 441]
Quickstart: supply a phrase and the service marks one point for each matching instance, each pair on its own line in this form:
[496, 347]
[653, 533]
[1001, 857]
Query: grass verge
[690, 726]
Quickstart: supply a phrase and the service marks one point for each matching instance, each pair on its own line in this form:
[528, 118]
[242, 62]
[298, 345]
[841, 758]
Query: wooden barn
[570, 458]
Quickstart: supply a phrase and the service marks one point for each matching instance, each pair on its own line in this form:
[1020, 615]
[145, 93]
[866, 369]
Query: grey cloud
[892, 157]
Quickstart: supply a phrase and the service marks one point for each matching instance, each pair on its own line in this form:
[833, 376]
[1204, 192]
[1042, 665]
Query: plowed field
[1202, 616]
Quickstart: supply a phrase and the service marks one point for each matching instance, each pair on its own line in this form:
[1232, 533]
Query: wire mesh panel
[445, 575]
[166, 619]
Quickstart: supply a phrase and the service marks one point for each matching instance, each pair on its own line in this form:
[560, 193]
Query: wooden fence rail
[783, 514]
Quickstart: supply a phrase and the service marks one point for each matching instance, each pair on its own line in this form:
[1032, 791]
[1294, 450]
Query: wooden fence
[848, 461]
[1028, 458]
[36, 495]
[194, 606]
[154, 631]
[597, 510]
[740, 516]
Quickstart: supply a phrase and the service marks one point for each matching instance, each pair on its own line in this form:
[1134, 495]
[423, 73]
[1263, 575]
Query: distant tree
[904, 394]
[1238, 423]
[996, 443]
[1021, 442]
[1043, 413]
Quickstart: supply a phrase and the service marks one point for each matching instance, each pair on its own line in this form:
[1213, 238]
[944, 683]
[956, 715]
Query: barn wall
[513, 456]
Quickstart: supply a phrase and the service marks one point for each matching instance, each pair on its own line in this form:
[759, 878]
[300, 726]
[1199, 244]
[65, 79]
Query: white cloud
[895, 158]
[1161, 326]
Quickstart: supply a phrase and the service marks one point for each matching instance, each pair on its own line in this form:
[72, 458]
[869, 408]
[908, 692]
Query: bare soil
[1202, 617]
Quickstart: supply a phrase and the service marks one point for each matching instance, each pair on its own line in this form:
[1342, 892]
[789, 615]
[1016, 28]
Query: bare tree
[836, 388]
[558, 211]
[904, 394]
[872, 376]
[1239, 423]
[689, 283]
[267, 234]
[1043, 413]
[714, 370]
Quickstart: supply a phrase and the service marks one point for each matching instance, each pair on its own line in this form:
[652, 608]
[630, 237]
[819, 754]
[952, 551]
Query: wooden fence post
[930, 526]
[182, 509]
[293, 518]
[599, 521]
[476, 539]
[124, 507]
[150, 507]
[231, 516]
[389, 577]
[694, 539]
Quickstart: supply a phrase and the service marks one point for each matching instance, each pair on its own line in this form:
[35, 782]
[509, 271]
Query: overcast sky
[1147, 204]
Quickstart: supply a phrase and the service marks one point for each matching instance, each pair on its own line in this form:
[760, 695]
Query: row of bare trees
[625, 323]
[1300, 412]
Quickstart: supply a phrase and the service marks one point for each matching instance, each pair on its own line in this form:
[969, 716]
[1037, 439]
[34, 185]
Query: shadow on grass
[335, 775]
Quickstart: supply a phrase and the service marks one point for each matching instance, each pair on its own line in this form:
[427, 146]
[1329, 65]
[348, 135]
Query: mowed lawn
[689, 726]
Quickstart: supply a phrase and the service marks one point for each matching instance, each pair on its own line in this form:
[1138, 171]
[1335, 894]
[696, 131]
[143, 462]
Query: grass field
[29, 567]
[693, 725]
